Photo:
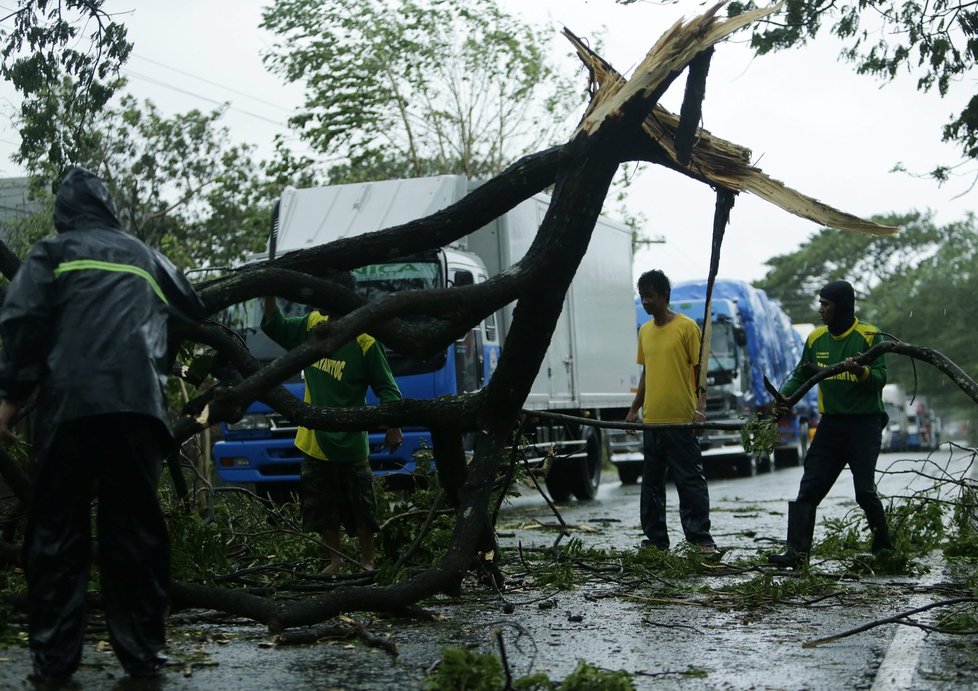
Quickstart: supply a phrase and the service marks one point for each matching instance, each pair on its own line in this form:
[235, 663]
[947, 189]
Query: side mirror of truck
[740, 336]
[463, 278]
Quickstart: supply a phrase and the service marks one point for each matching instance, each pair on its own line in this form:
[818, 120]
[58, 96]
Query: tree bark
[958, 376]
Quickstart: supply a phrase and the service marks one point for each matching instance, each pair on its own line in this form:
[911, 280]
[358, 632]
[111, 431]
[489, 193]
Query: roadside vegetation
[189, 191]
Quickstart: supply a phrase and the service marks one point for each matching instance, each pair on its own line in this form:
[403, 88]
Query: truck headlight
[234, 462]
[251, 421]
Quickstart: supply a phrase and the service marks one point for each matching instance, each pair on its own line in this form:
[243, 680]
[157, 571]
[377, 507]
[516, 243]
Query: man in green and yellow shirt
[336, 489]
[851, 426]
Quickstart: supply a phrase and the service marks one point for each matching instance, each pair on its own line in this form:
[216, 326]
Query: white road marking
[899, 665]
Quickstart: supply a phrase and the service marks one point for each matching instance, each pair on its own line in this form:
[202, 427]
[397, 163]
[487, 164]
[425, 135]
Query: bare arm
[638, 401]
[700, 414]
[271, 306]
[8, 411]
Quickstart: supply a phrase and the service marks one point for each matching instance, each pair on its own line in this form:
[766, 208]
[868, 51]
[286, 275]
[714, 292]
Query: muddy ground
[663, 645]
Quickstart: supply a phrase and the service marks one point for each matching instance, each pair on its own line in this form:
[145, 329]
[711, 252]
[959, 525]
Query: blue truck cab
[259, 450]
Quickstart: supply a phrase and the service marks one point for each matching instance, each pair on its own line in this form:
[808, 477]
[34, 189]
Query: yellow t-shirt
[669, 354]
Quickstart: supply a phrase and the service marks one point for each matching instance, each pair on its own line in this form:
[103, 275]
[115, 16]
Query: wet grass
[464, 669]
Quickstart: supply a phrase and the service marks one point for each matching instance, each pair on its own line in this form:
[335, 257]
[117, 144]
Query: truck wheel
[765, 463]
[585, 473]
[747, 465]
[558, 482]
[795, 455]
[628, 473]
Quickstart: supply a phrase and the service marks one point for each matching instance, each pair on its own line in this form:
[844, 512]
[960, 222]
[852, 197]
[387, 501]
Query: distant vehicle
[913, 425]
[587, 371]
[959, 431]
[752, 337]
[897, 427]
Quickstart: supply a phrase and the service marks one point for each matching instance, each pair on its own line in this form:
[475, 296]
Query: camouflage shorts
[337, 495]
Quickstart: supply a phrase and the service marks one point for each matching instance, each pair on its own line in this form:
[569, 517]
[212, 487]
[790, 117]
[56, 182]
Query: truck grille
[280, 469]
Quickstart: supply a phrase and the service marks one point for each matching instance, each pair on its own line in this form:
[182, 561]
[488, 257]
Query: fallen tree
[623, 122]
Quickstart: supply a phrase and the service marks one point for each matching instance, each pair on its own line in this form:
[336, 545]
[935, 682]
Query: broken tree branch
[933, 357]
[895, 619]
[692, 109]
[714, 161]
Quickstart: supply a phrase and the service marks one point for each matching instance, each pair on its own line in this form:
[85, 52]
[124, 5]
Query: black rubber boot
[876, 517]
[801, 528]
[881, 539]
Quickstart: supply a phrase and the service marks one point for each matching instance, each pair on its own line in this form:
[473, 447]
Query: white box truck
[589, 369]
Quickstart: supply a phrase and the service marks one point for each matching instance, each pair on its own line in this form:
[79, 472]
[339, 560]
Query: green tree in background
[179, 183]
[863, 260]
[936, 42]
[43, 41]
[918, 285]
[418, 87]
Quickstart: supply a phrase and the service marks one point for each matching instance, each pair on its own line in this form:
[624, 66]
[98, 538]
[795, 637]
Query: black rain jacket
[85, 319]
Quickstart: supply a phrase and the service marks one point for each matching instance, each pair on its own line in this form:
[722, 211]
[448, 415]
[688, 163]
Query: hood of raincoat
[83, 202]
[86, 320]
[843, 297]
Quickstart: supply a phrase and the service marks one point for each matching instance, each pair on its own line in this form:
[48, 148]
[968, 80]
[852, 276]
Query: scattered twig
[498, 636]
[349, 628]
[521, 634]
[423, 532]
[662, 625]
[564, 531]
[895, 619]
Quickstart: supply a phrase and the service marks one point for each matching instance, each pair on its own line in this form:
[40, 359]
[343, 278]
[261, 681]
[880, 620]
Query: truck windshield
[377, 280]
[723, 353]
[373, 282]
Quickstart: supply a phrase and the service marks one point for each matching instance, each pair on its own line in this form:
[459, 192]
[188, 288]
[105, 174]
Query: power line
[213, 83]
[159, 82]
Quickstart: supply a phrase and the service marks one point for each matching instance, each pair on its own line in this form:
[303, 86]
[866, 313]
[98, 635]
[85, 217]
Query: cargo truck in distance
[588, 370]
[752, 337]
[912, 424]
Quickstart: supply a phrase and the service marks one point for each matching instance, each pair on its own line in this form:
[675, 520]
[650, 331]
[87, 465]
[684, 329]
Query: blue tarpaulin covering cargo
[773, 346]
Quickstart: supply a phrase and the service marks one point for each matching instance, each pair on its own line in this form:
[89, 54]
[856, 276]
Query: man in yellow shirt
[669, 351]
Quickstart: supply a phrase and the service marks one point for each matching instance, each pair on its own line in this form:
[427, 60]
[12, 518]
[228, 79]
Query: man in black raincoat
[84, 323]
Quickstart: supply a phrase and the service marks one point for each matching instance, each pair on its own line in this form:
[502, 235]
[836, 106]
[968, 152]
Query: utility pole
[638, 241]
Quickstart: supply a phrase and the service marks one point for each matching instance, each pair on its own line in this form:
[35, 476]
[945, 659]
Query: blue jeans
[679, 451]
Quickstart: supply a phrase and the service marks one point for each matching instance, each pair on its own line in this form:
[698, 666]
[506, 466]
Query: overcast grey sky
[809, 120]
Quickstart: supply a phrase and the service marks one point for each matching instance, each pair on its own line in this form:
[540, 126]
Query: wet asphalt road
[666, 646]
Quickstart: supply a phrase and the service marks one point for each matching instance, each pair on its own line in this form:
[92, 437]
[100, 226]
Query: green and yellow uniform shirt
[338, 381]
[845, 393]
[669, 353]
